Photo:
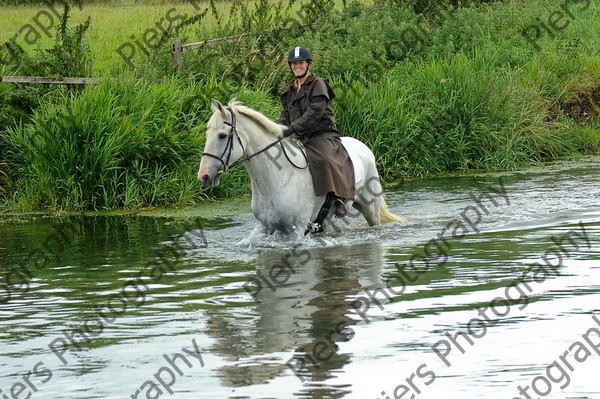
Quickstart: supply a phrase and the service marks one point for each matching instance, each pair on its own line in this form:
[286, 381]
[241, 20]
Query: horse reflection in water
[311, 312]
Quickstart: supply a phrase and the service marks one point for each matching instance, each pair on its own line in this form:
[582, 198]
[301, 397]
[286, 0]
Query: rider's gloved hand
[288, 131]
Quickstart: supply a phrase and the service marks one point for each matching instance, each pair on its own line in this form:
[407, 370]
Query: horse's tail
[386, 215]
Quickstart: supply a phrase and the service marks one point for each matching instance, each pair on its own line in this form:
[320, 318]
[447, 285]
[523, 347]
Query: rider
[308, 113]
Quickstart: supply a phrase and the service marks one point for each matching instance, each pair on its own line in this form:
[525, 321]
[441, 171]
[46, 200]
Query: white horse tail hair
[387, 216]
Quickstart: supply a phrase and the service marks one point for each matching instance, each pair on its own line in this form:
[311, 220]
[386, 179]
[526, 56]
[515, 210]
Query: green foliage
[431, 87]
[244, 17]
[69, 56]
[119, 144]
[446, 115]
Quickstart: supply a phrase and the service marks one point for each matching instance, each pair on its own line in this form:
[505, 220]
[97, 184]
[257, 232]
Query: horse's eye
[222, 136]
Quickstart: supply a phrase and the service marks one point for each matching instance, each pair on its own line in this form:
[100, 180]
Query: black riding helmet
[300, 54]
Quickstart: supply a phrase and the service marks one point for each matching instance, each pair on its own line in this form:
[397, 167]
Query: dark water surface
[499, 294]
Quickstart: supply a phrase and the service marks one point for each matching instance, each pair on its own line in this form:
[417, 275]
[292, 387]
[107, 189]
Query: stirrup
[314, 228]
[340, 207]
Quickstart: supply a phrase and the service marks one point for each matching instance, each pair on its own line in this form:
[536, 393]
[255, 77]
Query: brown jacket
[310, 112]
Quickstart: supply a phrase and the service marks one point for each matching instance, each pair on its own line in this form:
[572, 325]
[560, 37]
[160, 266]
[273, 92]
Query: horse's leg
[369, 193]
[368, 204]
[368, 196]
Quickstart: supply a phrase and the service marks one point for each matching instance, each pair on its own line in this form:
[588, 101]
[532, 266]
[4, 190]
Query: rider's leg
[317, 225]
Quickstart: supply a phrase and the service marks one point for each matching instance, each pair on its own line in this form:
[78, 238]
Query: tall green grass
[125, 143]
[475, 95]
[118, 145]
[457, 114]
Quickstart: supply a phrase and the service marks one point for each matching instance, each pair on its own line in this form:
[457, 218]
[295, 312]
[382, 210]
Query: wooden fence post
[176, 59]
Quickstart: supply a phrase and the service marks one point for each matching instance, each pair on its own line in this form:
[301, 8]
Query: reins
[229, 148]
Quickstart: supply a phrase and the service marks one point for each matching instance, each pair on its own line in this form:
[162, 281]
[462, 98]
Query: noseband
[229, 148]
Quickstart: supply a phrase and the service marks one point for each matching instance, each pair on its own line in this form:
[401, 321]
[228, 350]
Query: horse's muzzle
[209, 181]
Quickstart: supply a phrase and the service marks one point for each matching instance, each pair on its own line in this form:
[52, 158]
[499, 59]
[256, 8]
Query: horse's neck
[271, 171]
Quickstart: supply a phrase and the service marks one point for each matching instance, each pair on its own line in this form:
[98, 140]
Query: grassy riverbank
[431, 91]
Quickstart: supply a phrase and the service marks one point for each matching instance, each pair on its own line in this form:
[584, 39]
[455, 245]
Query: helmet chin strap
[304, 74]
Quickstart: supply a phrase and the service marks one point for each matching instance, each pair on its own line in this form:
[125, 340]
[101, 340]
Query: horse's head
[223, 145]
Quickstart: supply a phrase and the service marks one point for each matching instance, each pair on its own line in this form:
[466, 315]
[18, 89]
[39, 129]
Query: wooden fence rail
[177, 49]
[54, 80]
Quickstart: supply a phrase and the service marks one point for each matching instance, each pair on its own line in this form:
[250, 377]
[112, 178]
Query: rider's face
[299, 67]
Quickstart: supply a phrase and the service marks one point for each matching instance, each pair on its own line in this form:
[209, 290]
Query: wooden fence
[50, 80]
[177, 49]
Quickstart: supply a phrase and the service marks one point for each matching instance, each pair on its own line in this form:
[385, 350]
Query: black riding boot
[317, 225]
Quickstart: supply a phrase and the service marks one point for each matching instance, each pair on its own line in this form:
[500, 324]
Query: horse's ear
[216, 106]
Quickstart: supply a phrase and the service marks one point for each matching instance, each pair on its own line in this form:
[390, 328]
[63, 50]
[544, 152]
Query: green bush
[119, 144]
[69, 56]
[471, 93]
[463, 112]
[125, 143]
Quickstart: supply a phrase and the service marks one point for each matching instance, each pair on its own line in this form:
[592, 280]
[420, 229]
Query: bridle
[229, 148]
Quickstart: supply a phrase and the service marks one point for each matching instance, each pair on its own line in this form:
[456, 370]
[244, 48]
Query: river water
[489, 290]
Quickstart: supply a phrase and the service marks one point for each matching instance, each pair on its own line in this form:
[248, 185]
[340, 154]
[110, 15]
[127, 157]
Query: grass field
[114, 25]
[111, 26]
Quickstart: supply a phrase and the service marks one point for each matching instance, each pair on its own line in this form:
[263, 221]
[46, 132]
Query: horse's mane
[270, 126]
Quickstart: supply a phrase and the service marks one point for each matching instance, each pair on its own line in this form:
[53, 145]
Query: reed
[462, 113]
[475, 95]
[124, 144]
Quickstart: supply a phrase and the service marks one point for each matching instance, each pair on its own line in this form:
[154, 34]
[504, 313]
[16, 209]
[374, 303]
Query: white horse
[283, 196]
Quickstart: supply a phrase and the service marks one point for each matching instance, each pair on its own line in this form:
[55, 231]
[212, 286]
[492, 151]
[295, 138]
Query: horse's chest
[277, 214]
